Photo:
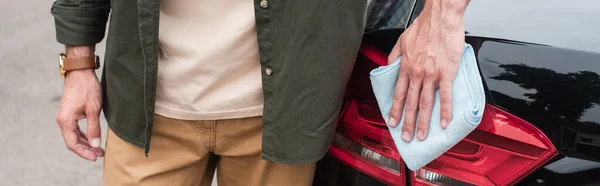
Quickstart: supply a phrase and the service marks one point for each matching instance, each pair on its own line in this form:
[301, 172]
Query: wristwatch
[66, 64]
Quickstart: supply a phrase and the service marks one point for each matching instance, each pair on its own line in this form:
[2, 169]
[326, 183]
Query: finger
[71, 137]
[445, 102]
[97, 151]
[398, 99]
[80, 117]
[84, 141]
[93, 127]
[81, 133]
[410, 107]
[425, 108]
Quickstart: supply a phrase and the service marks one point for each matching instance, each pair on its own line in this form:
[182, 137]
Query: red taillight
[367, 148]
[501, 151]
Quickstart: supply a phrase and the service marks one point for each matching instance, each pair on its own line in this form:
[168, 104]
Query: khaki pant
[187, 152]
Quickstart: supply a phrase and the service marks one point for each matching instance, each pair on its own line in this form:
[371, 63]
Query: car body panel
[556, 89]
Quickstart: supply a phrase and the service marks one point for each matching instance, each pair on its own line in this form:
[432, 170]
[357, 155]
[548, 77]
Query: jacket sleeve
[80, 22]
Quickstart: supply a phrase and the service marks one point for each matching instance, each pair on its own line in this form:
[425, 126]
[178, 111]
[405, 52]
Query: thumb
[93, 128]
[395, 54]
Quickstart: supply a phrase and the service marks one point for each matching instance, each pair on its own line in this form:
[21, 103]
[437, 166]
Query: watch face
[61, 64]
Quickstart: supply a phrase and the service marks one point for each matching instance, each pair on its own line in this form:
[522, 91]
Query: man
[252, 88]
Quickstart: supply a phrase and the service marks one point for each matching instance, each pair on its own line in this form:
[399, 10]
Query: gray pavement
[32, 151]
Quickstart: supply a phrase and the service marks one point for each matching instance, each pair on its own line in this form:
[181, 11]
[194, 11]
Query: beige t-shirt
[209, 65]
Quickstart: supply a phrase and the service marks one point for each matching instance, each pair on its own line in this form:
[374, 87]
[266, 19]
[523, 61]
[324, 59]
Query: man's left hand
[431, 50]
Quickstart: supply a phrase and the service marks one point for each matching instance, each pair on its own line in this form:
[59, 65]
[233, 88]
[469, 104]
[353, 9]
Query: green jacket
[309, 45]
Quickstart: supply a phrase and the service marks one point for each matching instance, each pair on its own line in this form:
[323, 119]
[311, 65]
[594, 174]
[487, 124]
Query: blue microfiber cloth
[468, 102]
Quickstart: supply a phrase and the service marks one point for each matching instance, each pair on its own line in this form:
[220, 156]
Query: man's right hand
[81, 99]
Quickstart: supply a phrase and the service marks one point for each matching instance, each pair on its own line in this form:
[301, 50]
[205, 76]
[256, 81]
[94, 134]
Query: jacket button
[264, 4]
[269, 71]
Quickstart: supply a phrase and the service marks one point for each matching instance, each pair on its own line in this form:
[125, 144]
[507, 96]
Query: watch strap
[79, 63]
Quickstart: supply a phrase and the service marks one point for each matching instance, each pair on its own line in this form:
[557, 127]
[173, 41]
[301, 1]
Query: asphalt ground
[32, 151]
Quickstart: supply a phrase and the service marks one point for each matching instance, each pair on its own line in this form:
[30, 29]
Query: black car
[542, 119]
